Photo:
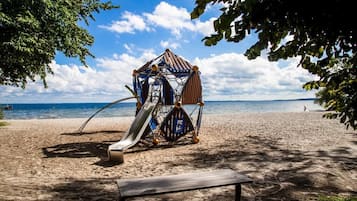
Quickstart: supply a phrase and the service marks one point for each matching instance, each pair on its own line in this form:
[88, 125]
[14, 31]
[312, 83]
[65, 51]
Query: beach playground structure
[165, 88]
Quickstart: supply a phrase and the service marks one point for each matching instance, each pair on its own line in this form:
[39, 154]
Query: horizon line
[296, 99]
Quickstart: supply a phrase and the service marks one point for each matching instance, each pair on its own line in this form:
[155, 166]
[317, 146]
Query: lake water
[84, 110]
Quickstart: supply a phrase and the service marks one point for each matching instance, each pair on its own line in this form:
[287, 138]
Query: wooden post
[238, 192]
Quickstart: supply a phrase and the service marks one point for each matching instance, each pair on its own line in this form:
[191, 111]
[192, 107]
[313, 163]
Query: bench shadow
[88, 189]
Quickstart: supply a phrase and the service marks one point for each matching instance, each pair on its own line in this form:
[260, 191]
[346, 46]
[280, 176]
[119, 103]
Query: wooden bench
[138, 187]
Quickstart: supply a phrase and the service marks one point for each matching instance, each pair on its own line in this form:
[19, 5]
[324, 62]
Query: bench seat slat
[177, 183]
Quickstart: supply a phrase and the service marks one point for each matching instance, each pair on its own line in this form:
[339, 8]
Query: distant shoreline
[130, 101]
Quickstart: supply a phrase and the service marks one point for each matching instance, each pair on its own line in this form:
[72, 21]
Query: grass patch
[2, 123]
[337, 198]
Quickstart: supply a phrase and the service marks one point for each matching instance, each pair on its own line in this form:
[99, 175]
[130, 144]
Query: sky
[128, 37]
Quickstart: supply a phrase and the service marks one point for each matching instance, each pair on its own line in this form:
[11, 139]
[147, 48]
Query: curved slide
[135, 132]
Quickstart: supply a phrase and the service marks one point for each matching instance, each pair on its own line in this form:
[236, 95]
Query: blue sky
[137, 32]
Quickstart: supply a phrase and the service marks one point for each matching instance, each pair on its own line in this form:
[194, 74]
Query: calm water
[84, 110]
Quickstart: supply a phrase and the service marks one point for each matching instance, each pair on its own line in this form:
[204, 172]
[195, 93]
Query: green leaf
[31, 32]
[326, 52]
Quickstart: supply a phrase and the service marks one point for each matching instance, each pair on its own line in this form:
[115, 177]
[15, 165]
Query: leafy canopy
[322, 33]
[32, 31]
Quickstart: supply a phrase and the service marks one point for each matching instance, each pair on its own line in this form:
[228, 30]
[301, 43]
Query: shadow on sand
[278, 173]
[77, 133]
[99, 149]
[281, 174]
[104, 189]
[89, 189]
[81, 149]
[77, 150]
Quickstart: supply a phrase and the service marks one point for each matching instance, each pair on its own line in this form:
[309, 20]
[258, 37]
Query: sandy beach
[290, 156]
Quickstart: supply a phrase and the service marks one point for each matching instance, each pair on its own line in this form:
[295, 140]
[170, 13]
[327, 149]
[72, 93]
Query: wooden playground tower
[174, 83]
[166, 88]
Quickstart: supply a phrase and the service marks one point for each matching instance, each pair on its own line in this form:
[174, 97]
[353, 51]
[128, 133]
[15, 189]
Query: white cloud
[129, 24]
[233, 76]
[168, 44]
[167, 16]
[170, 17]
[205, 28]
[225, 77]
[73, 83]
[177, 20]
[129, 48]
[124, 64]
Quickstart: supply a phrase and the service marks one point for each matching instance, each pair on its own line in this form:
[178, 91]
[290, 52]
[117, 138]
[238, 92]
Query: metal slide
[135, 132]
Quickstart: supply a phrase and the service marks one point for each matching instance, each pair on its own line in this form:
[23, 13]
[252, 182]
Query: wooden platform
[138, 187]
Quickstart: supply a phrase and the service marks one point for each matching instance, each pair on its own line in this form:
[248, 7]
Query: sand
[290, 156]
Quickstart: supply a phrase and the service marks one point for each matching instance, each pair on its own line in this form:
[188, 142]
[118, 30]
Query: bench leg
[121, 198]
[238, 192]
